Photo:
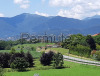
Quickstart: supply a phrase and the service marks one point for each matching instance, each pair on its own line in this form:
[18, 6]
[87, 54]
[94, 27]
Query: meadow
[71, 68]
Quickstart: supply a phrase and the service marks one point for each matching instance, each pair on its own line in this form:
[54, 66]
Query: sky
[78, 9]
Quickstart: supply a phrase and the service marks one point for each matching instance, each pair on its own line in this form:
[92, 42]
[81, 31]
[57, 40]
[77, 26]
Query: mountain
[36, 24]
[93, 17]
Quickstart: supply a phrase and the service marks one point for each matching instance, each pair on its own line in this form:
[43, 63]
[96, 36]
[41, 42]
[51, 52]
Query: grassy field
[34, 45]
[74, 70]
[27, 47]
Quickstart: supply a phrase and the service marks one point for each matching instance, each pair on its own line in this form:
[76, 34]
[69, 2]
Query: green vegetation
[16, 60]
[74, 70]
[46, 58]
[97, 39]
[91, 42]
[21, 59]
[20, 64]
[80, 50]
[1, 72]
[58, 60]
[80, 45]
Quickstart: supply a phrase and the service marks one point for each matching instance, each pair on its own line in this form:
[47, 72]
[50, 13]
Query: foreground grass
[74, 70]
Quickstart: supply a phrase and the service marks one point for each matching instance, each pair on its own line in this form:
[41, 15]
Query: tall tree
[91, 42]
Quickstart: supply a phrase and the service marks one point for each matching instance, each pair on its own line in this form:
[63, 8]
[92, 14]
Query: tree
[13, 50]
[3, 44]
[46, 58]
[29, 59]
[73, 40]
[4, 60]
[97, 39]
[91, 42]
[58, 60]
[19, 64]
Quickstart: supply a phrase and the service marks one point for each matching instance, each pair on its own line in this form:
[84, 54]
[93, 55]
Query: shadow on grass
[62, 67]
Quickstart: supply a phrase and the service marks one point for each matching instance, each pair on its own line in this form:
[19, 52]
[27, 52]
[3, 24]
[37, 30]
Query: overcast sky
[78, 9]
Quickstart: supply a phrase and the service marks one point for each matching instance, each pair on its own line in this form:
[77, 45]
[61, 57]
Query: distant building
[96, 34]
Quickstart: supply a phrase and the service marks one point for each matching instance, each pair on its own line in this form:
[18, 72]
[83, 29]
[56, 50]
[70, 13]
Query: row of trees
[6, 45]
[18, 61]
[21, 61]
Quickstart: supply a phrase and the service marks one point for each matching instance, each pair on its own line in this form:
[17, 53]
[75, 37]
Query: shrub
[46, 58]
[19, 64]
[58, 60]
[80, 50]
[29, 59]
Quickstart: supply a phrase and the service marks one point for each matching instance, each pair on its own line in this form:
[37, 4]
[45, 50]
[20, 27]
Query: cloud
[77, 8]
[1, 15]
[24, 6]
[22, 3]
[43, 0]
[42, 14]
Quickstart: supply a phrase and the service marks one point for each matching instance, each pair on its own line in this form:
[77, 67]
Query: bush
[46, 58]
[58, 60]
[19, 64]
[80, 50]
[4, 60]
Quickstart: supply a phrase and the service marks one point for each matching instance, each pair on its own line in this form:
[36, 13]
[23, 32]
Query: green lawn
[74, 70]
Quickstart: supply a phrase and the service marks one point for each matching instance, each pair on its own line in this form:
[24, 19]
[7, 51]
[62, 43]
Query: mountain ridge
[36, 24]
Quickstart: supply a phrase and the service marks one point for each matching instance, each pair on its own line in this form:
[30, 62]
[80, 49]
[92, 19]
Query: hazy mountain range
[36, 24]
